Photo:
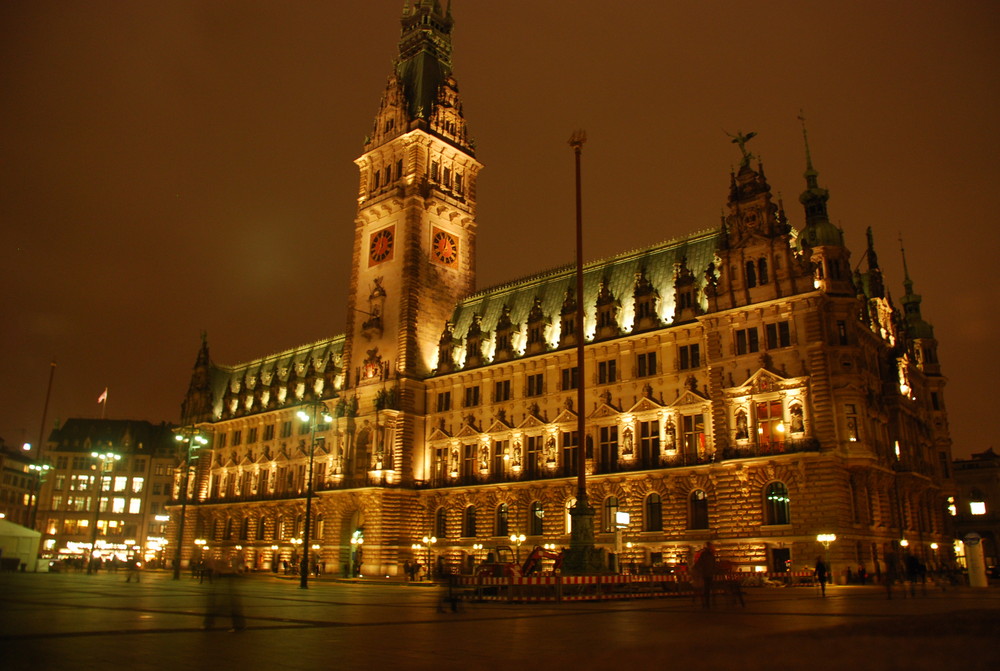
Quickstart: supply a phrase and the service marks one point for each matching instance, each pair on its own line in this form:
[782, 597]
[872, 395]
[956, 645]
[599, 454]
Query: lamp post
[194, 439]
[104, 458]
[517, 539]
[40, 471]
[826, 539]
[317, 407]
[429, 541]
[476, 549]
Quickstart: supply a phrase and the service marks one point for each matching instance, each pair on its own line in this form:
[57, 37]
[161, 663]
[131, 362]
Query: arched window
[535, 519]
[776, 504]
[654, 513]
[228, 533]
[469, 522]
[440, 523]
[698, 510]
[245, 528]
[751, 275]
[501, 526]
[762, 271]
[570, 504]
[608, 514]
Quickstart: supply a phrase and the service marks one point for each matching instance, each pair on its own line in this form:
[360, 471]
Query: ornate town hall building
[744, 384]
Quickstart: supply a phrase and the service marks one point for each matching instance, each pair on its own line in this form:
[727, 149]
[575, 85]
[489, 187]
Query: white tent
[17, 542]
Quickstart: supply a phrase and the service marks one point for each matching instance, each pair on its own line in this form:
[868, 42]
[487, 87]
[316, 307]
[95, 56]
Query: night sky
[173, 167]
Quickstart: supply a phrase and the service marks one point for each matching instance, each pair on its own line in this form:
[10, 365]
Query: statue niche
[373, 327]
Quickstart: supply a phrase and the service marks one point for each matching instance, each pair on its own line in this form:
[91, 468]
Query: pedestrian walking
[223, 595]
[821, 575]
[134, 564]
[704, 573]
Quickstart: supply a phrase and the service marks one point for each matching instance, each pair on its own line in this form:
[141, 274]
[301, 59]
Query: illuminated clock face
[445, 247]
[380, 248]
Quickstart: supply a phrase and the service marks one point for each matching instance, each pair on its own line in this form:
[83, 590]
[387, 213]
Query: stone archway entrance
[352, 544]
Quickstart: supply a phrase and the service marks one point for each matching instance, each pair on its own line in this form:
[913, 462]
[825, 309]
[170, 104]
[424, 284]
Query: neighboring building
[17, 485]
[977, 503]
[743, 384]
[134, 489]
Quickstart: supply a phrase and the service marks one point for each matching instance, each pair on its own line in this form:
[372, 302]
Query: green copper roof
[619, 272]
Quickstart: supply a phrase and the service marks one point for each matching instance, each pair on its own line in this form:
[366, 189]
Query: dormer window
[607, 312]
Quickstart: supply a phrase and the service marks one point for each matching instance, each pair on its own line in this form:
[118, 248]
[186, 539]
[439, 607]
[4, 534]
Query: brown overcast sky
[169, 167]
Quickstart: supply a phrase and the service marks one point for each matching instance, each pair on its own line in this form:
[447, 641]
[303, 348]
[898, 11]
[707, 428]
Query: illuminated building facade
[17, 485]
[744, 385]
[977, 502]
[135, 488]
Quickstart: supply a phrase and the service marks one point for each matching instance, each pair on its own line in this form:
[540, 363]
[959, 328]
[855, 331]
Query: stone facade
[743, 385]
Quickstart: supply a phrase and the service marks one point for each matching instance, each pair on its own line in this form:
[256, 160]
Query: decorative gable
[645, 405]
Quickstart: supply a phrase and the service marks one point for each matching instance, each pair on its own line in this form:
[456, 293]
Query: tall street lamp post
[517, 539]
[826, 539]
[429, 541]
[319, 411]
[103, 458]
[193, 440]
[40, 471]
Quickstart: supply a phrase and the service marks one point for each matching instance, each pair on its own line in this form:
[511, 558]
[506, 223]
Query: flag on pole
[103, 398]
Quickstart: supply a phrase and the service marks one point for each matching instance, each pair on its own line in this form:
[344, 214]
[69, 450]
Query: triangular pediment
[565, 417]
[498, 426]
[762, 382]
[230, 461]
[438, 433]
[263, 457]
[467, 431]
[688, 398]
[531, 422]
[246, 461]
[645, 405]
[603, 410]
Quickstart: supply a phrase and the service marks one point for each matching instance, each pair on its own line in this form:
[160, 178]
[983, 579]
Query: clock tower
[415, 232]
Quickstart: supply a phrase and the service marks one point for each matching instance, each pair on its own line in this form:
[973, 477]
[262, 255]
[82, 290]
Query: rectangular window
[60, 483]
[120, 484]
[441, 464]
[608, 446]
[607, 371]
[139, 465]
[841, 332]
[646, 364]
[935, 403]
[649, 443]
[778, 335]
[472, 396]
[570, 450]
[693, 434]
[499, 456]
[134, 505]
[534, 456]
[269, 432]
[223, 437]
[444, 401]
[118, 505]
[252, 436]
[469, 465]
[286, 429]
[747, 341]
[536, 385]
[690, 357]
[137, 484]
[570, 378]
[501, 391]
[237, 438]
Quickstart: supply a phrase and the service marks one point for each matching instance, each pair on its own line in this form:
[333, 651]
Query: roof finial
[907, 282]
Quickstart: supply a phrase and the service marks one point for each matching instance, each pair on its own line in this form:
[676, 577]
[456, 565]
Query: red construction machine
[500, 563]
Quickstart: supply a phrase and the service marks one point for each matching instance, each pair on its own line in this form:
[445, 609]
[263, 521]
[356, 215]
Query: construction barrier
[599, 587]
